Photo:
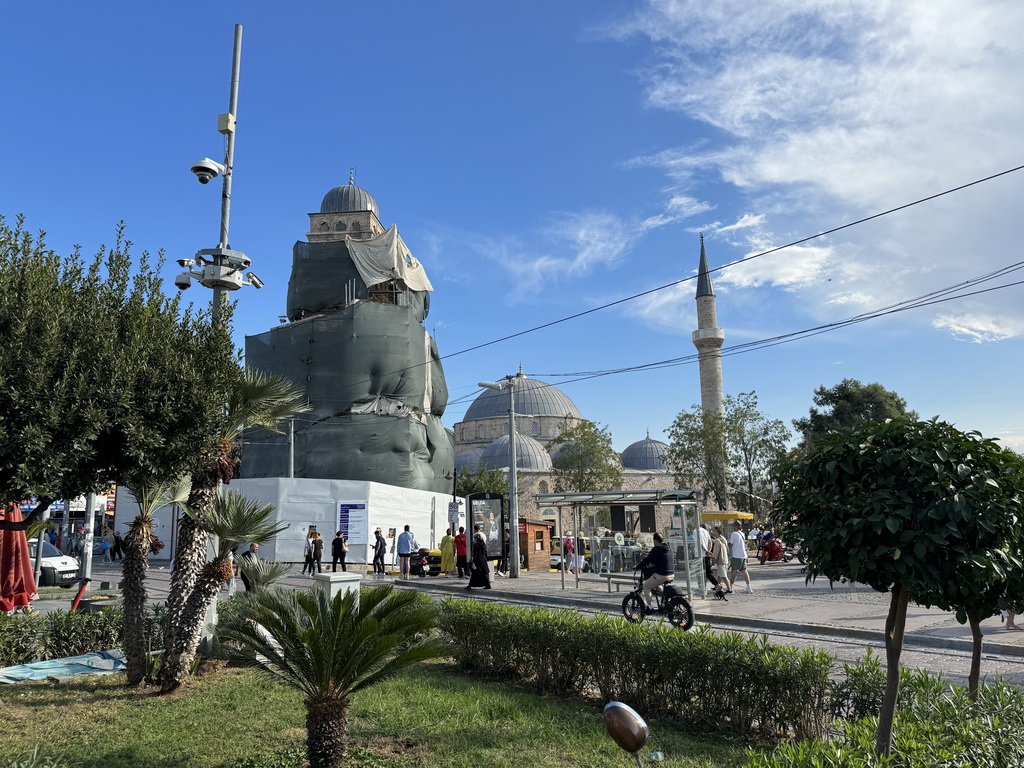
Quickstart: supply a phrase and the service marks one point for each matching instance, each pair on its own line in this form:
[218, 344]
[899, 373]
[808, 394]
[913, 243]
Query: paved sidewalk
[781, 602]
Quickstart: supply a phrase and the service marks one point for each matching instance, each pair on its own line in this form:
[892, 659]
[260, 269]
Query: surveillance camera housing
[254, 281]
[186, 263]
[183, 281]
[238, 261]
[206, 169]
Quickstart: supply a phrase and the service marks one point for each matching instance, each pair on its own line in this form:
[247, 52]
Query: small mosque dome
[469, 460]
[646, 454]
[529, 454]
[349, 198]
[533, 398]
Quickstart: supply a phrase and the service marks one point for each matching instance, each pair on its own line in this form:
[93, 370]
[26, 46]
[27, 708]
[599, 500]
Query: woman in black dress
[480, 569]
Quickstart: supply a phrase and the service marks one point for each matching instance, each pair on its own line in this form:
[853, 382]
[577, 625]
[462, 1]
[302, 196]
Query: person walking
[380, 548]
[249, 554]
[738, 557]
[339, 548]
[720, 563]
[480, 569]
[118, 552]
[448, 553]
[406, 546]
[705, 549]
[318, 553]
[567, 550]
[460, 554]
[506, 544]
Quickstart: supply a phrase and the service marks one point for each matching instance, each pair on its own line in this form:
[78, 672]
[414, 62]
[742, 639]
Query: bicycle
[667, 599]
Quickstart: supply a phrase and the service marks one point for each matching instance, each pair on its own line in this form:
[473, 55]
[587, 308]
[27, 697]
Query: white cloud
[820, 112]
[978, 327]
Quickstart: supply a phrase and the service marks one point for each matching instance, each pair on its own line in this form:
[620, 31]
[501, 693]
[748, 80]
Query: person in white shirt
[738, 556]
[705, 550]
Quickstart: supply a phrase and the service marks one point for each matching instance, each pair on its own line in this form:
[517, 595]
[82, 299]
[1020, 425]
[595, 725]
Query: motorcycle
[419, 562]
[771, 550]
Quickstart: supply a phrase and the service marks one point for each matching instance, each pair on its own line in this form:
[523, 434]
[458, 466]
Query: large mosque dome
[529, 454]
[469, 460]
[349, 198]
[533, 398]
[646, 454]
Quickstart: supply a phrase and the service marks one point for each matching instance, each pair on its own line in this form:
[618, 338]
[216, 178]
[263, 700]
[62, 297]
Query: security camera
[254, 281]
[183, 281]
[238, 261]
[186, 263]
[206, 169]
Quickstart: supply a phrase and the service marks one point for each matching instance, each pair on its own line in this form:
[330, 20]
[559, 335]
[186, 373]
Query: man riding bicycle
[659, 564]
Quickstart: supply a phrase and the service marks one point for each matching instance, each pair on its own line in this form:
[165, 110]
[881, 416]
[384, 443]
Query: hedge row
[729, 682]
[56, 635]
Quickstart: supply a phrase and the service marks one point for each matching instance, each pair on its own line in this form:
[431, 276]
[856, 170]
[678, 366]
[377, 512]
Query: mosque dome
[533, 398]
[348, 198]
[469, 460]
[529, 454]
[646, 454]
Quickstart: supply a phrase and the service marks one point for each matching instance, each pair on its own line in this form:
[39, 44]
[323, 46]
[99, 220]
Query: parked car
[57, 569]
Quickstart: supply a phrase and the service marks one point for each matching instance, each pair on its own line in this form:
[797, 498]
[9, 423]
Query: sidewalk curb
[718, 620]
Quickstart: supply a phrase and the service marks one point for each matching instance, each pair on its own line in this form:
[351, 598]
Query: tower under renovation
[355, 345]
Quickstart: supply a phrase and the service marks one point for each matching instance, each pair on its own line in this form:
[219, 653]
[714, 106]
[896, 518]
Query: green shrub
[937, 726]
[859, 693]
[38, 759]
[728, 682]
[56, 635]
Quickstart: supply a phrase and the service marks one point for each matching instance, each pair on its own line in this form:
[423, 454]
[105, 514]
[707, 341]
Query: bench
[612, 578]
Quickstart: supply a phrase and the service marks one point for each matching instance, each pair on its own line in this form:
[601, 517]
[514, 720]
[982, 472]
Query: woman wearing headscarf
[480, 569]
[448, 553]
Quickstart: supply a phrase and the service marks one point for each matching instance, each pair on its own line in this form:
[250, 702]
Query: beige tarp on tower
[386, 257]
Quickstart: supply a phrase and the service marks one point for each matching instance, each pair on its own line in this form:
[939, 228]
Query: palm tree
[256, 400]
[233, 519]
[137, 546]
[330, 648]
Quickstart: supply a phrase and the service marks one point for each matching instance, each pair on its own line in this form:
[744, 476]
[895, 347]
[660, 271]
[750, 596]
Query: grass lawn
[430, 717]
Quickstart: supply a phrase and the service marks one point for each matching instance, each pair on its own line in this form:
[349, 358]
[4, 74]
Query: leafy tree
[331, 648]
[917, 509]
[483, 480]
[586, 460]
[755, 446]
[232, 519]
[848, 404]
[99, 372]
[718, 452]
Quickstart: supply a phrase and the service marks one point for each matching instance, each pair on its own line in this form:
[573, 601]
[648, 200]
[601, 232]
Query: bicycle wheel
[633, 608]
[680, 613]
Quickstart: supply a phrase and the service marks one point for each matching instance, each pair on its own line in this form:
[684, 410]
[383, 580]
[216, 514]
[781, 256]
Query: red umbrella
[17, 580]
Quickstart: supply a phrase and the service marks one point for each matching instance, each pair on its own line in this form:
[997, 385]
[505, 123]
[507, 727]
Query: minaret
[708, 340]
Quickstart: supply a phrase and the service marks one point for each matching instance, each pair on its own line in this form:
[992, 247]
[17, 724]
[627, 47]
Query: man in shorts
[738, 557]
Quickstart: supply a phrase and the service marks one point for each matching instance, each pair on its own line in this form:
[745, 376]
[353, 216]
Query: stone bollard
[345, 581]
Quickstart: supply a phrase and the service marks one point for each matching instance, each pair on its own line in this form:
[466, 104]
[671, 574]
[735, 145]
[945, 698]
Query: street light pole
[509, 383]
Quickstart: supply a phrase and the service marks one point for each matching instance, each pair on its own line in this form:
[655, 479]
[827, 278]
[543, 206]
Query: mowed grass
[431, 716]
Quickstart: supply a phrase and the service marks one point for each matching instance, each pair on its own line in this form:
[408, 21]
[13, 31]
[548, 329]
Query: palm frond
[261, 400]
[156, 496]
[263, 574]
[235, 518]
[332, 647]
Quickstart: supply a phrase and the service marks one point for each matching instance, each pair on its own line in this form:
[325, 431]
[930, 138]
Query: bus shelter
[635, 516]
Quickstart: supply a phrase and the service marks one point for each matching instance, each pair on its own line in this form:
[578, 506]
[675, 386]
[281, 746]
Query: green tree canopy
[848, 404]
[483, 480]
[918, 509]
[103, 378]
[734, 451]
[586, 460]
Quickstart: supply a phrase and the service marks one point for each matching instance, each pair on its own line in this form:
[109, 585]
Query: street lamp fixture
[220, 269]
[509, 383]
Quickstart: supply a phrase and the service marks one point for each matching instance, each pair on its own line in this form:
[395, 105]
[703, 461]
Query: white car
[57, 569]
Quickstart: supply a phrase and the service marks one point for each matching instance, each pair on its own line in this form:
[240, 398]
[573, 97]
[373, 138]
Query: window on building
[542, 487]
[340, 226]
[355, 226]
[534, 429]
[324, 227]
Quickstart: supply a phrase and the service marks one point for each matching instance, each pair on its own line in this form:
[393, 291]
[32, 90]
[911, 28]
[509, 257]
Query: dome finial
[648, 434]
[352, 182]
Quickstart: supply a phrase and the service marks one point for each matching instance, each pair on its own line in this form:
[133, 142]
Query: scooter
[772, 550]
[418, 562]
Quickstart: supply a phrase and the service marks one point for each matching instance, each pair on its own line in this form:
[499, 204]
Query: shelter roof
[603, 498]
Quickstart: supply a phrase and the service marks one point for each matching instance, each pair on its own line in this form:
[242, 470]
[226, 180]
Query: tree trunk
[189, 559]
[134, 597]
[975, 675]
[326, 732]
[895, 623]
[177, 661]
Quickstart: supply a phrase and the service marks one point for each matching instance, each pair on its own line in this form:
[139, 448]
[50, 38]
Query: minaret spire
[708, 339]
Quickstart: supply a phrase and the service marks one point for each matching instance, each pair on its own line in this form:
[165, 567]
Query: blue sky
[544, 158]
